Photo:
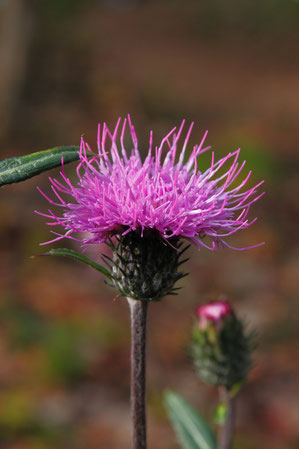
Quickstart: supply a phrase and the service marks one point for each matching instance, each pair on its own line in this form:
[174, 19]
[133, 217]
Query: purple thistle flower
[117, 193]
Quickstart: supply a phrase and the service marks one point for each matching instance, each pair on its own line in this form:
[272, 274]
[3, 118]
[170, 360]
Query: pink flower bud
[220, 346]
[213, 313]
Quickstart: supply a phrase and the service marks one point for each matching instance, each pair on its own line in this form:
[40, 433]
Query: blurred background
[66, 65]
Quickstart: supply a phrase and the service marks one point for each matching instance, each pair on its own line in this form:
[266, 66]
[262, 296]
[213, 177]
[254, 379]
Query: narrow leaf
[16, 169]
[78, 256]
[191, 429]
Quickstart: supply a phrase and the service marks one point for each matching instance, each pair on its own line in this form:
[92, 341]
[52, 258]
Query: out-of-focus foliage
[191, 429]
[62, 9]
[254, 19]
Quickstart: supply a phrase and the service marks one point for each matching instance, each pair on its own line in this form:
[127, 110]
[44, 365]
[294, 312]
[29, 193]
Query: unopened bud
[220, 347]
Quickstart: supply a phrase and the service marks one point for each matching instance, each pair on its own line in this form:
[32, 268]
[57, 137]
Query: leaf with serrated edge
[77, 256]
[191, 429]
[17, 169]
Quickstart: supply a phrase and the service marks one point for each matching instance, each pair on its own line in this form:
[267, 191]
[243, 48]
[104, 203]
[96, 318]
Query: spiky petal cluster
[117, 193]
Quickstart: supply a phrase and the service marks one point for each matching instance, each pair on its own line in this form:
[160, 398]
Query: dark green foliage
[16, 169]
[70, 253]
[146, 267]
[222, 355]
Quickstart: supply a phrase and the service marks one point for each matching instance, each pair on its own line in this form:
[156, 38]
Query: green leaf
[220, 414]
[191, 429]
[77, 256]
[16, 169]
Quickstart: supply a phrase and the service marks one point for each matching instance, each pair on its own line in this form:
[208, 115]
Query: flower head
[117, 193]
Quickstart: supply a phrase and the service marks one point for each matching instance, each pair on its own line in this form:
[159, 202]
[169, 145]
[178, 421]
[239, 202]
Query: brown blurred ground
[232, 67]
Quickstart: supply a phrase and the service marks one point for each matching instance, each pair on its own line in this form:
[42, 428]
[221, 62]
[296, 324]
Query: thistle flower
[164, 198]
[142, 210]
[220, 346]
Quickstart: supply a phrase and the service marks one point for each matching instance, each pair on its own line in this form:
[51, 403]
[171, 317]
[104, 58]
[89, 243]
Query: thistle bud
[220, 347]
[146, 267]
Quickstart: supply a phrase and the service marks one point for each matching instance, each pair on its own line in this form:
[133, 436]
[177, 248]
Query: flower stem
[227, 430]
[138, 363]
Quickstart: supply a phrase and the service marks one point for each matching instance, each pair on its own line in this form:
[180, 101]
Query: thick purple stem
[138, 367]
[226, 432]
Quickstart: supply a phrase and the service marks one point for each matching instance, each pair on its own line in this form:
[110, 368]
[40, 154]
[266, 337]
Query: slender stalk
[138, 364]
[227, 430]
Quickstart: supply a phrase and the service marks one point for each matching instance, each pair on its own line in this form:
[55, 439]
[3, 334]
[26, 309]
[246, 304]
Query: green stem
[138, 372]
